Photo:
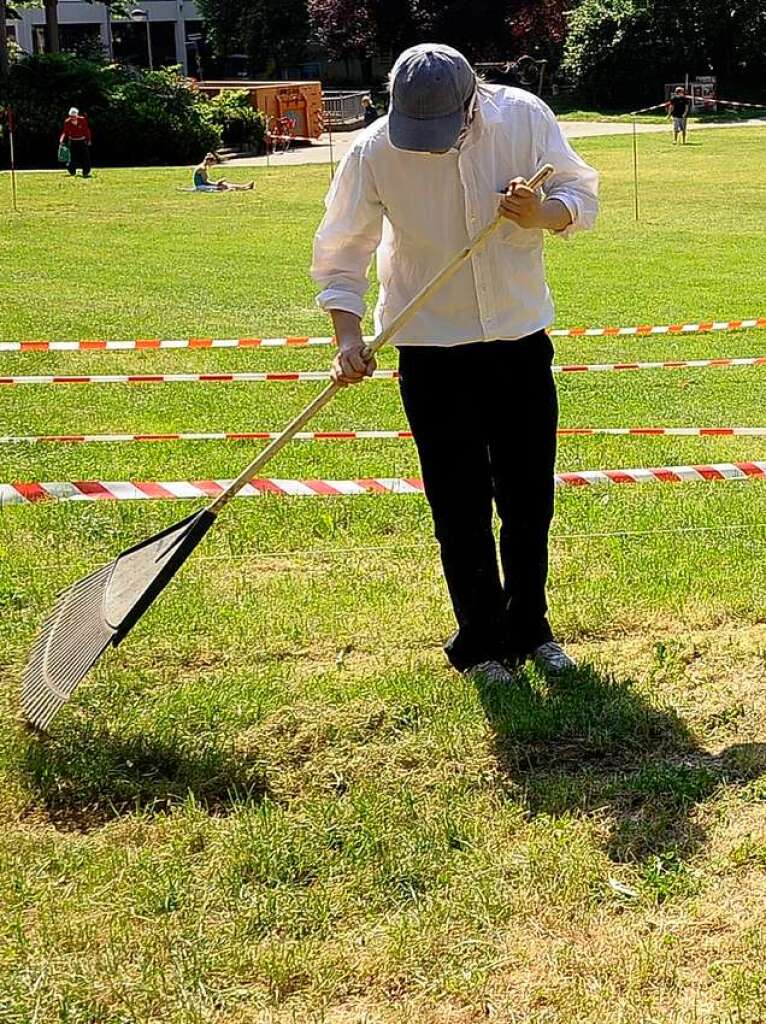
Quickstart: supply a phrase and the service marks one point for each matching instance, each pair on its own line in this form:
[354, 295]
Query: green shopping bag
[63, 153]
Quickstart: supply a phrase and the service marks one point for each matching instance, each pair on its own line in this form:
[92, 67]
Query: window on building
[130, 43]
[84, 40]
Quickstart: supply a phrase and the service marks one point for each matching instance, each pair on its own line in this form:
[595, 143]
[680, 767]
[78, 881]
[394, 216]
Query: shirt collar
[487, 112]
[487, 109]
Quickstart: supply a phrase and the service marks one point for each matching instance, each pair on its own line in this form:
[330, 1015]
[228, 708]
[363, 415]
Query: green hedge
[137, 117]
[241, 126]
[619, 53]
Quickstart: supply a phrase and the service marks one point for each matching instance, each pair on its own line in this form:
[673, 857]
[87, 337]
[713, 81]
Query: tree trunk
[3, 41]
[52, 26]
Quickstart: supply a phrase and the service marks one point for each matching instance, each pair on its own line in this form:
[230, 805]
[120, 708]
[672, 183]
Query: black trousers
[79, 156]
[484, 418]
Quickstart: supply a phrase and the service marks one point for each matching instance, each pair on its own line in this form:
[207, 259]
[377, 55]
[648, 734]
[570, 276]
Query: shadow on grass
[589, 743]
[86, 776]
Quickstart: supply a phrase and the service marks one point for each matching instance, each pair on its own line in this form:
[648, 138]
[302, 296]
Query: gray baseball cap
[430, 85]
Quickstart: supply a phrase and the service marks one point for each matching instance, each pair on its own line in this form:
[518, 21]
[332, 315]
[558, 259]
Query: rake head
[100, 610]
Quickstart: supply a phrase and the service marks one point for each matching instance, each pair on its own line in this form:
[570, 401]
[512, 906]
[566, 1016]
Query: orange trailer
[300, 101]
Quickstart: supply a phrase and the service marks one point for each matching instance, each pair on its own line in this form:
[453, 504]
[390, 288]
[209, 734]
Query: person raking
[475, 362]
[76, 135]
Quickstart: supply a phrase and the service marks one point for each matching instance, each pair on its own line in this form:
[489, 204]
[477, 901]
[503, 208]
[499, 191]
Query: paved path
[319, 152]
[584, 129]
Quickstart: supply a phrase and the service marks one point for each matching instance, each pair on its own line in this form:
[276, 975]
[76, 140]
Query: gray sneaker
[493, 672]
[552, 659]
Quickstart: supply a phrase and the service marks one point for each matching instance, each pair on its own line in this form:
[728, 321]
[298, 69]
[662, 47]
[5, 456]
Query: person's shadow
[85, 775]
[591, 744]
[586, 744]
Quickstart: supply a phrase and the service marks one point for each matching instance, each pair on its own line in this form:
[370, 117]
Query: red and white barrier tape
[259, 435]
[646, 110]
[300, 341]
[151, 344]
[303, 376]
[663, 431]
[700, 99]
[726, 103]
[667, 364]
[182, 378]
[99, 490]
[703, 327]
[368, 435]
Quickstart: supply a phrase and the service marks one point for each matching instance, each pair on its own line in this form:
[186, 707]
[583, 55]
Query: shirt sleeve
[348, 236]
[574, 183]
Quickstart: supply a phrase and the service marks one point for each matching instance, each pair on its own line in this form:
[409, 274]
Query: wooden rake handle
[381, 339]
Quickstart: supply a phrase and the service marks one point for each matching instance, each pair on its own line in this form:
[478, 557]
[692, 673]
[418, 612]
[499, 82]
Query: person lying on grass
[475, 362]
[202, 183]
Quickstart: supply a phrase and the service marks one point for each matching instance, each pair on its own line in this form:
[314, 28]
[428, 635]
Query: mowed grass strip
[275, 803]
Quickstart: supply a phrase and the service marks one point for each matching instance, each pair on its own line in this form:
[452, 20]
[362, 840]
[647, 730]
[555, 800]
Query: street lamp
[140, 15]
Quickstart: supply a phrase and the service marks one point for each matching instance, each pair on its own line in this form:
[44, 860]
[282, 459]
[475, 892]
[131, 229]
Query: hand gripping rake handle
[378, 342]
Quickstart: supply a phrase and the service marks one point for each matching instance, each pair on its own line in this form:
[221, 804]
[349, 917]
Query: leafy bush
[155, 117]
[240, 124]
[619, 52]
[137, 117]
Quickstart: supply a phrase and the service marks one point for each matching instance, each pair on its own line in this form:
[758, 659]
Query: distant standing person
[76, 135]
[370, 111]
[678, 109]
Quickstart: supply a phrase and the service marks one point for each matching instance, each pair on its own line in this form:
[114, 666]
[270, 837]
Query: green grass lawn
[275, 803]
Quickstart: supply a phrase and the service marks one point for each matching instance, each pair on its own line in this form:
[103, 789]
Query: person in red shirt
[76, 135]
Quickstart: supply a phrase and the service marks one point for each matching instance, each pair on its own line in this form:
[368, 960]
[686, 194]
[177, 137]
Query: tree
[276, 31]
[344, 28]
[224, 25]
[271, 32]
[398, 24]
[3, 41]
[620, 52]
[482, 29]
[51, 30]
[539, 28]
[735, 34]
[52, 26]
[478, 28]
[361, 29]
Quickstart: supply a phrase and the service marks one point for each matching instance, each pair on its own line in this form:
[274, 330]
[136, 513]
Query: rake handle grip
[381, 339]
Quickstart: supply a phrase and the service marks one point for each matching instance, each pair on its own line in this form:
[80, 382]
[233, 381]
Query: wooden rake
[103, 607]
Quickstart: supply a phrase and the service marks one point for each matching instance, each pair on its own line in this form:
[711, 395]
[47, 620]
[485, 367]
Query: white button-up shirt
[419, 209]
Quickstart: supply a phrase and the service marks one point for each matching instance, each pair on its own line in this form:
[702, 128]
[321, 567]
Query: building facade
[159, 32]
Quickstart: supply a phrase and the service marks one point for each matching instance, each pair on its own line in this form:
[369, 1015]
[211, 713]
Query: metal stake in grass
[635, 167]
[101, 609]
[12, 153]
